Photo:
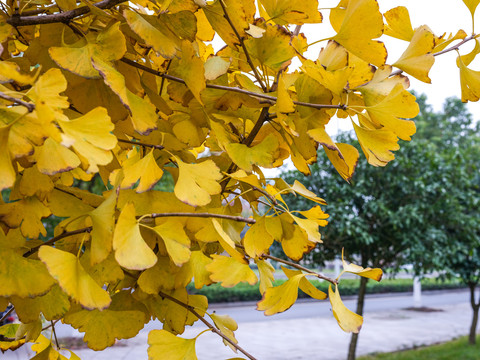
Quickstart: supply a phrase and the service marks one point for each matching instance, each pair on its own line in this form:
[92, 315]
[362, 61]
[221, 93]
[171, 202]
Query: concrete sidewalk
[306, 339]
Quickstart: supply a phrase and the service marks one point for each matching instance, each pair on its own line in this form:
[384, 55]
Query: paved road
[308, 331]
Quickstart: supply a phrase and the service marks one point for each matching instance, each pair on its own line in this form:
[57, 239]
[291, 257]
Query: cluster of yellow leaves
[127, 95]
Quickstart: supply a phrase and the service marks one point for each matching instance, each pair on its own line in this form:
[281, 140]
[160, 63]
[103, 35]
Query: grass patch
[458, 349]
[245, 292]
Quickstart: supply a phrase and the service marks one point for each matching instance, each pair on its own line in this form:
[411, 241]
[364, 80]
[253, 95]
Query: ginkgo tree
[131, 90]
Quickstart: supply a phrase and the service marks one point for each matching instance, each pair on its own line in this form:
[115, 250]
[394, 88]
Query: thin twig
[210, 326]
[266, 194]
[6, 315]
[202, 215]
[55, 335]
[158, 147]
[56, 238]
[30, 107]
[62, 17]
[300, 267]
[242, 44]
[271, 99]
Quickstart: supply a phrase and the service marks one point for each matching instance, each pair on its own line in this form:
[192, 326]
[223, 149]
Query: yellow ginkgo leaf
[262, 154]
[143, 115]
[196, 182]
[131, 251]
[377, 144]
[300, 189]
[175, 239]
[469, 79]
[198, 263]
[159, 37]
[226, 241]
[64, 159]
[123, 319]
[280, 298]
[472, 5]
[109, 45]
[190, 68]
[8, 331]
[215, 67]
[375, 274]
[227, 326]
[22, 277]
[284, 101]
[165, 345]
[73, 279]
[90, 135]
[347, 319]
[10, 71]
[306, 286]
[230, 271]
[6, 168]
[103, 223]
[257, 240]
[418, 58]
[144, 169]
[53, 305]
[30, 331]
[298, 12]
[363, 22]
[344, 158]
[266, 272]
[398, 23]
[34, 183]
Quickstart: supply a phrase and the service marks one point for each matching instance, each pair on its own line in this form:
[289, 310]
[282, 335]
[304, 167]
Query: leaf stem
[158, 147]
[203, 215]
[208, 324]
[30, 107]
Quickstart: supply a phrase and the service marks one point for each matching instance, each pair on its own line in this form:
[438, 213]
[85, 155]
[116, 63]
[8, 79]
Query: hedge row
[245, 292]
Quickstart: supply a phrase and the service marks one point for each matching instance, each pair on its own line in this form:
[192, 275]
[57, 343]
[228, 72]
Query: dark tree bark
[475, 307]
[360, 304]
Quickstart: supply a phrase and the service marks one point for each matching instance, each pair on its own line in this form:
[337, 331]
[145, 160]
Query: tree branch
[56, 238]
[30, 107]
[158, 147]
[240, 39]
[209, 325]
[6, 315]
[203, 215]
[61, 17]
[269, 98]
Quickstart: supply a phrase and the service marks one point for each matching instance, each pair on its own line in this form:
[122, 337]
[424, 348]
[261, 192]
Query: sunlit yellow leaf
[418, 59]
[377, 144]
[199, 262]
[305, 285]
[109, 45]
[7, 171]
[123, 319]
[266, 272]
[215, 67]
[144, 169]
[299, 12]
[103, 223]
[472, 5]
[159, 37]
[375, 274]
[176, 240]
[362, 23]
[284, 101]
[35, 183]
[64, 159]
[196, 182]
[344, 158]
[131, 251]
[143, 115]
[30, 331]
[9, 71]
[280, 298]
[227, 326]
[261, 154]
[226, 241]
[90, 136]
[469, 79]
[73, 279]
[347, 320]
[399, 24]
[257, 240]
[230, 271]
[165, 345]
[22, 277]
[8, 331]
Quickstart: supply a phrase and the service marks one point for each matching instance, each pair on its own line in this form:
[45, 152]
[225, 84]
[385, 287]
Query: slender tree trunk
[360, 303]
[475, 307]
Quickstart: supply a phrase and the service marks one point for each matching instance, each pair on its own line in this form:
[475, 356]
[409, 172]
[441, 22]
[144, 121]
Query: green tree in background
[420, 209]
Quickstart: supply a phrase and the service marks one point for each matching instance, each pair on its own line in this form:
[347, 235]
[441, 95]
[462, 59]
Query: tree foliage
[132, 91]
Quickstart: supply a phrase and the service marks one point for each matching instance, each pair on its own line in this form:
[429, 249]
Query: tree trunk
[360, 303]
[475, 307]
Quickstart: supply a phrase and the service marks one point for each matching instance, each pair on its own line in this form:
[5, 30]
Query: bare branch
[158, 147]
[61, 17]
[30, 107]
[203, 215]
[6, 315]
